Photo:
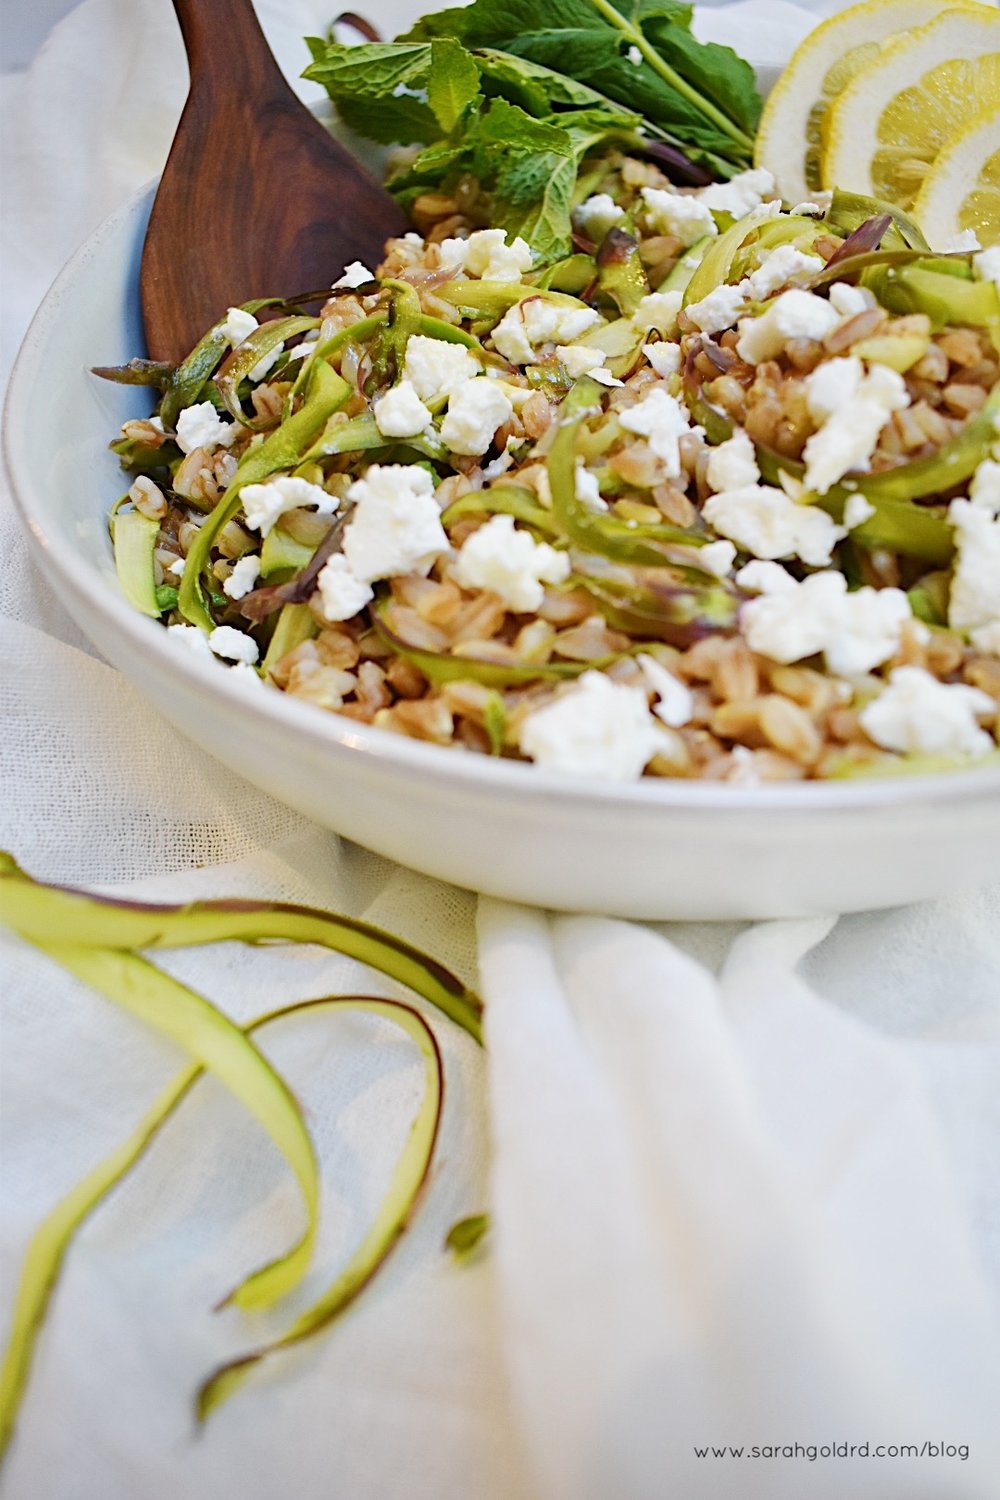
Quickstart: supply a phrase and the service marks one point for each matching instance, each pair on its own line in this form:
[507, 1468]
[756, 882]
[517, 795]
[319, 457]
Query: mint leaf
[380, 88]
[453, 83]
[535, 88]
[718, 72]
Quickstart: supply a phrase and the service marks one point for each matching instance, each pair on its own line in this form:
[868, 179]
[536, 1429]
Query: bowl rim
[461, 771]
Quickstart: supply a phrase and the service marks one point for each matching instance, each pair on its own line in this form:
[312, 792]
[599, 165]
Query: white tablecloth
[743, 1181]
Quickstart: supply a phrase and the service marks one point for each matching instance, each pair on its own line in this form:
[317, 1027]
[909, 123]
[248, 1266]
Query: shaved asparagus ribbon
[51, 1241]
[37, 910]
[95, 939]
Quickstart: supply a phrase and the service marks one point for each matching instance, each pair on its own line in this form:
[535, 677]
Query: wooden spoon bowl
[256, 199]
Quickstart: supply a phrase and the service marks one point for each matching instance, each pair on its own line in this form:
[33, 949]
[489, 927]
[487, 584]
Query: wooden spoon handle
[225, 45]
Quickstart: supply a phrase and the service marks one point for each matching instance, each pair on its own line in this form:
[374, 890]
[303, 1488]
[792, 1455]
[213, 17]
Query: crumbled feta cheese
[239, 326]
[812, 207]
[917, 714]
[765, 578]
[680, 214]
[510, 562]
[850, 434]
[395, 526]
[783, 267]
[634, 56]
[717, 557]
[718, 310]
[588, 490]
[848, 300]
[661, 419]
[986, 265]
[156, 423]
[577, 359]
[486, 254]
[794, 315]
[246, 571]
[832, 385]
[264, 504]
[596, 215]
[733, 464]
[475, 411]
[855, 632]
[967, 239]
[597, 728]
[676, 700]
[536, 321]
[658, 311]
[975, 581]
[192, 639]
[435, 367]
[857, 511]
[604, 377]
[399, 412]
[764, 522]
[356, 274]
[342, 595]
[200, 426]
[740, 194]
[176, 567]
[984, 491]
[664, 357]
[233, 645]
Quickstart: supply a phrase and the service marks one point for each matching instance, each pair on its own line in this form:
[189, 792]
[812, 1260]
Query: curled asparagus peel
[37, 910]
[395, 1212]
[51, 1241]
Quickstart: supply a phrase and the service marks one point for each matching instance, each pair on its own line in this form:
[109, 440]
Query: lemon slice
[789, 133]
[962, 189]
[886, 127]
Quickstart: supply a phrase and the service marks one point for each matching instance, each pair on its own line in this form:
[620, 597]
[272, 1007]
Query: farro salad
[711, 491]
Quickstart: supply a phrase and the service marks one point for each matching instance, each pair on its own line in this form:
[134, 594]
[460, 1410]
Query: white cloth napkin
[742, 1179]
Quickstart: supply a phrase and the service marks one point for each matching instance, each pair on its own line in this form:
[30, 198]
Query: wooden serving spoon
[256, 198]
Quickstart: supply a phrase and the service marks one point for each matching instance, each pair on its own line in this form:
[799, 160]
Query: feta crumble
[763, 521]
[355, 275]
[850, 434]
[855, 632]
[975, 584]
[577, 359]
[399, 411]
[662, 420]
[658, 310]
[239, 326]
[200, 426]
[848, 300]
[246, 571]
[733, 464]
[475, 411]
[719, 310]
[717, 558]
[487, 255]
[233, 645]
[664, 357]
[395, 527]
[435, 367]
[675, 704]
[984, 491]
[794, 315]
[588, 490]
[498, 556]
[917, 714]
[740, 194]
[765, 578]
[536, 321]
[341, 593]
[596, 215]
[856, 512]
[264, 504]
[784, 266]
[832, 385]
[597, 728]
[684, 216]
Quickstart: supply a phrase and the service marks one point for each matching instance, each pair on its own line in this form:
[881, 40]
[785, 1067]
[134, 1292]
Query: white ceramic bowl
[658, 849]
